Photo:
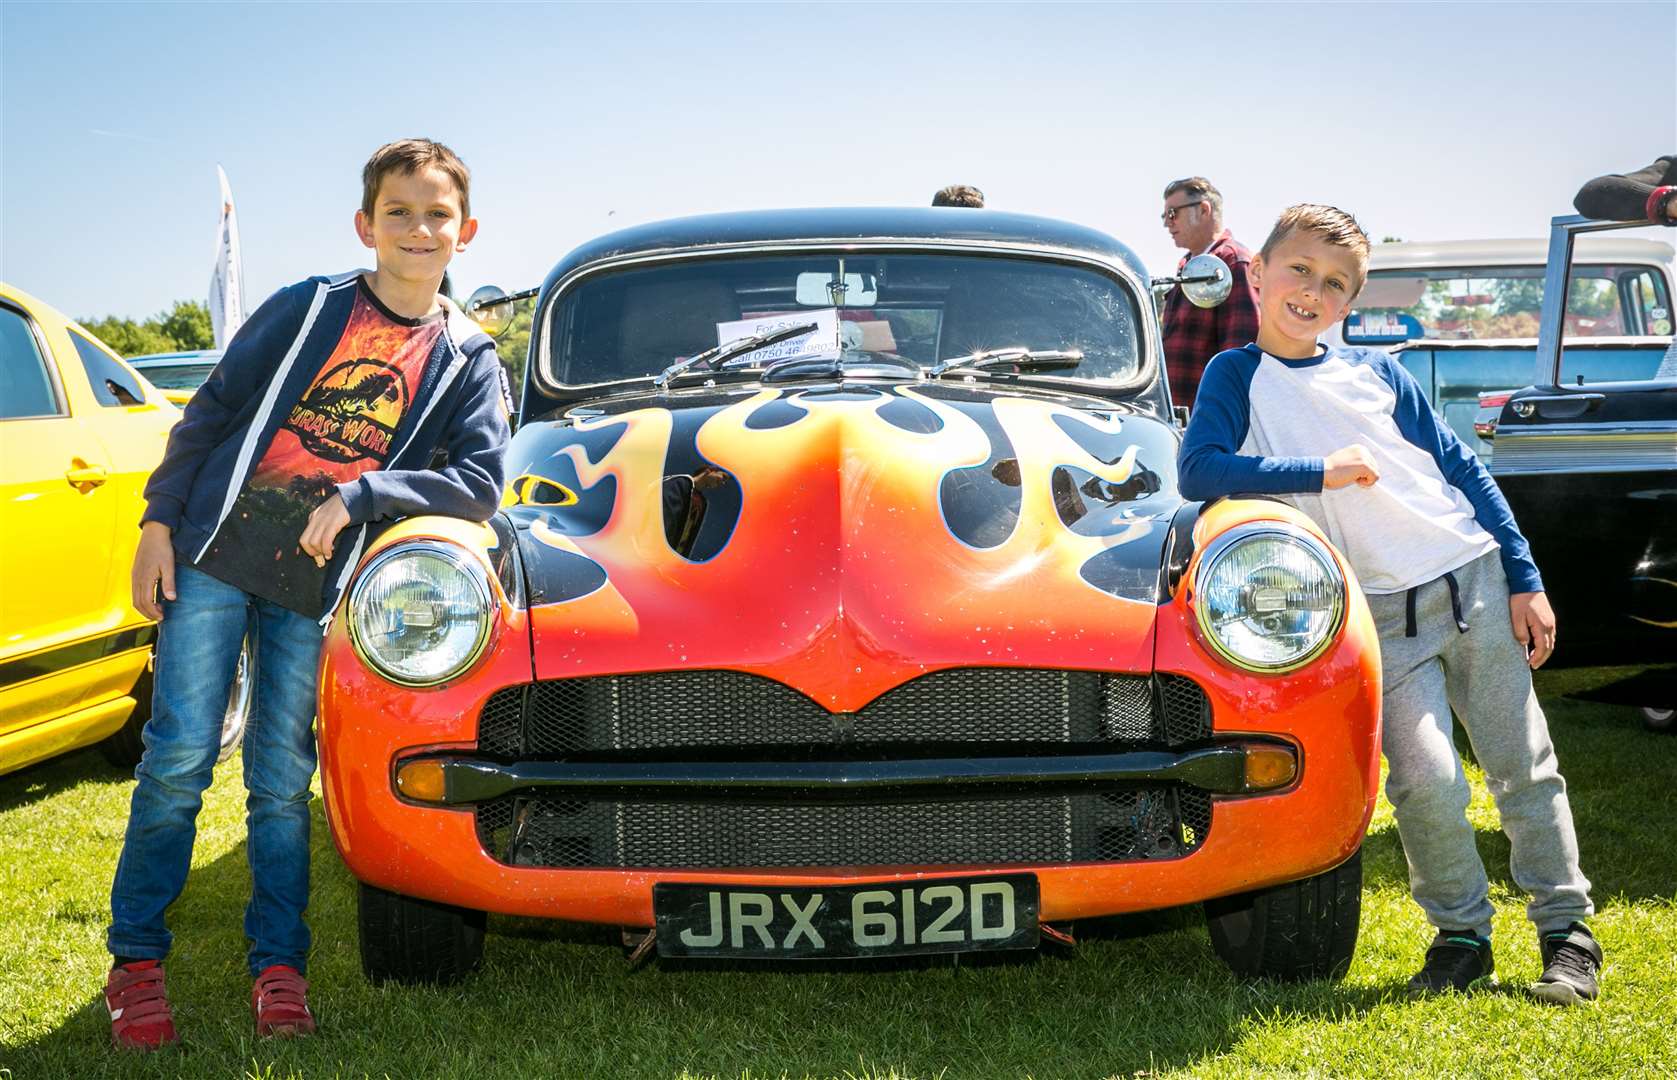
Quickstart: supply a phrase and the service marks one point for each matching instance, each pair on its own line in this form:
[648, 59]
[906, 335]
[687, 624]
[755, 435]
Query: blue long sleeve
[1463, 470]
[224, 400]
[1210, 464]
[474, 443]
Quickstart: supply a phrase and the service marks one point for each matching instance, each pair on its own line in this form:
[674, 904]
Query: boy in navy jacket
[320, 422]
[1346, 435]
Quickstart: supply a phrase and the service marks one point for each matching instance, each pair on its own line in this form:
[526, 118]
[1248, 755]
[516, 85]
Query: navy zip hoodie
[459, 409]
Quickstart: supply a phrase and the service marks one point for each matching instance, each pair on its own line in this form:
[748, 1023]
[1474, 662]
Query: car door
[60, 513]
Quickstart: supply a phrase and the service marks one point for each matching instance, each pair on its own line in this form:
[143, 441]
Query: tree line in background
[186, 327]
[182, 328]
[513, 346]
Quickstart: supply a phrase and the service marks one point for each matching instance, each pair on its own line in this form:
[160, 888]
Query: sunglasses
[1171, 211]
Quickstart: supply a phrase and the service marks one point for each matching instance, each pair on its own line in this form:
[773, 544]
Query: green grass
[1142, 997]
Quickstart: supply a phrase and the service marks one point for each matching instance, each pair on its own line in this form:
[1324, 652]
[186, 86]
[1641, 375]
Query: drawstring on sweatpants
[1455, 606]
[1456, 601]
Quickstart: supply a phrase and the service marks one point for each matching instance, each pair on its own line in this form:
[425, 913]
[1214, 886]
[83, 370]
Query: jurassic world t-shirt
[343, 426]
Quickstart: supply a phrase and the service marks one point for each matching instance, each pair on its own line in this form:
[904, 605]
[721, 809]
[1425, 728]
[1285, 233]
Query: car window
[177, 376]
[925, 308]
[113, 386]
[1465, 303]
[26, 387]
[1649, 303]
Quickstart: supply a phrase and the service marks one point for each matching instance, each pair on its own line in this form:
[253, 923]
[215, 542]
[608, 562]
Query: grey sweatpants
[1482, 674]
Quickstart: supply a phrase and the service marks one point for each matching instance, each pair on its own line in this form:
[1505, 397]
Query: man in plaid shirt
[1193, 335]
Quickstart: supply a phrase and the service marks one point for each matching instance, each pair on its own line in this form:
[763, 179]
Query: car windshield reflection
[920, 309]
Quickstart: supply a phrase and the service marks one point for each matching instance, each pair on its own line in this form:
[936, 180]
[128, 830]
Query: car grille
[736, 716]
[1118, 826]
[734, 711]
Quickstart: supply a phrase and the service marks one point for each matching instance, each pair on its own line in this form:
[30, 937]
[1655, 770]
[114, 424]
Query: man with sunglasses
[1194, 215]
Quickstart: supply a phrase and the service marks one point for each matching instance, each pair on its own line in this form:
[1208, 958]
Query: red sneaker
[279, 1002]
[140, 1016]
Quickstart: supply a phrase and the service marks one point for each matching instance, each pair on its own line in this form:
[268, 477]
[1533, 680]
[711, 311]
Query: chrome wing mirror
[491, 308]
[1205, 281]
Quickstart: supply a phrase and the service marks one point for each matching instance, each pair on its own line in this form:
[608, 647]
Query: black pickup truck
[1590, 470]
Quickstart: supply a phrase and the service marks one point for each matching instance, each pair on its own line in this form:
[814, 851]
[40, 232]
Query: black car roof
[882, 223]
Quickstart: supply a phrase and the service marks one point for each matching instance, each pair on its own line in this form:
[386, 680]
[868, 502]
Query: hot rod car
[843, 603]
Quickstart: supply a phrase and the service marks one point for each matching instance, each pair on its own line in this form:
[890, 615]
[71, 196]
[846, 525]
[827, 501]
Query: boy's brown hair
[1329, 224]
[411, 156]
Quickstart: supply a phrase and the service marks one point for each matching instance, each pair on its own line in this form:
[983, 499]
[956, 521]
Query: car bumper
[1329, 713]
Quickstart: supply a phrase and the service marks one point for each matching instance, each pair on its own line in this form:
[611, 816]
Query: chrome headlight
[420, 613]
[1269, 597]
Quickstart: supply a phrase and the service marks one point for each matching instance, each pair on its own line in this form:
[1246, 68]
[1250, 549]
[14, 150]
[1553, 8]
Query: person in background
[1648, 194]
[959, 195]
[1193, 335]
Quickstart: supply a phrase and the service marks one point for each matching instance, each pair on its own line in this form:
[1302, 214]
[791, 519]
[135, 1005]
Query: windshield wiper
[1017, 357]
[714, 357]
[788, 368]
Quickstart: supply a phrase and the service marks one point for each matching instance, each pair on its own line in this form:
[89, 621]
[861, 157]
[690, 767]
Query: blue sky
[1429, 121]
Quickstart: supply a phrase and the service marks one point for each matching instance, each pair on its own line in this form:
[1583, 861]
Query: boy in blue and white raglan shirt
[322, 418]
[1346, 436]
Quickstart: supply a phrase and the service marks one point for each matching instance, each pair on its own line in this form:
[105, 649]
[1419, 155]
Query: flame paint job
[861, 551]
[849, 564]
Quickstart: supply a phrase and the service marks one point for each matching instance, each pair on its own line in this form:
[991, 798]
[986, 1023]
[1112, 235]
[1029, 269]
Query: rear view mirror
[1205, 281]
[491, 308]
[818, 289]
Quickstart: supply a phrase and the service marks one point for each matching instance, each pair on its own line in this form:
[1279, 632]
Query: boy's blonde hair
[411, 156]
[1329, 224]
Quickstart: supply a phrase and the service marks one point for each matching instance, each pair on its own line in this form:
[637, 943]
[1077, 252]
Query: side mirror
[1205, 281]
[491, 308]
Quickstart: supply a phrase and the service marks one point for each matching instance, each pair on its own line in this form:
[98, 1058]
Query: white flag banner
[227, 307]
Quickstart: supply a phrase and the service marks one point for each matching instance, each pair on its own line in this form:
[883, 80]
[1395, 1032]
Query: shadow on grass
[559, 999]
[1142, 993]
[47, 778]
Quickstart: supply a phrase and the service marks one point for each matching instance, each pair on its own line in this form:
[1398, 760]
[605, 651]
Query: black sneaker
[1457, 960]
[1571, 960]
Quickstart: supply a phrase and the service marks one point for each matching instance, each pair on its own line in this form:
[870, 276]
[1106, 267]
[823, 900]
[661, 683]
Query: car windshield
[1467, 303]
[177, 376]
[923, 308]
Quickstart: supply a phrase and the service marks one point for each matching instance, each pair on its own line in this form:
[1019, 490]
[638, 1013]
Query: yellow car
[79, 434]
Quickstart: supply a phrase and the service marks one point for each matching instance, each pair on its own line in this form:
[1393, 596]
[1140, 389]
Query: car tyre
[1302, 930]
[407, 940]
[123, 747]
[1660, 720]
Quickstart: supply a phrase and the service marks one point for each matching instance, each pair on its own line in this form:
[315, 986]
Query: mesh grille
[500, 724]
[729, 709]
[978, 710]
[1129, 825]
[1185, 708]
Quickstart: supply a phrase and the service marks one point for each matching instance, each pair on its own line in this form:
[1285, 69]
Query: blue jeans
[197, 655]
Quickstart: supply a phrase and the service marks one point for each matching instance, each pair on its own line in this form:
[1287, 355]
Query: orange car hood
[843, 539]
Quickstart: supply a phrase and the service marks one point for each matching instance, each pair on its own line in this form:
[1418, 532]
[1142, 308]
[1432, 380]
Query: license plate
[883, 919]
